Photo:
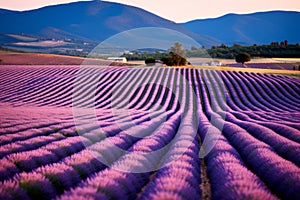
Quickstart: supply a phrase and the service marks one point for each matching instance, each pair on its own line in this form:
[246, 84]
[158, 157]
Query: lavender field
[78, 132]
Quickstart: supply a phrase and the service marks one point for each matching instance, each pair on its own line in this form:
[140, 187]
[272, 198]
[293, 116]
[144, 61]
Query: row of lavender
[248, 125]
[280, 66]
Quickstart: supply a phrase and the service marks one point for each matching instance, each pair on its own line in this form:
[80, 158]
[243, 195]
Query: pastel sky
[180, 10]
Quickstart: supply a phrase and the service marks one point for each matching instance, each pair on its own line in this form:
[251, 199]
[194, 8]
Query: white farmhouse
[118, 59]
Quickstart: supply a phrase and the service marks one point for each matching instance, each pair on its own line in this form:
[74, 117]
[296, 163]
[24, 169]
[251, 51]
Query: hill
[248, 29]
[80, 23]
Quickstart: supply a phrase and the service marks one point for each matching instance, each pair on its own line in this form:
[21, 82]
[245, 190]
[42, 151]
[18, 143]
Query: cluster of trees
[157, 55]
[176, 56]
[273, 50]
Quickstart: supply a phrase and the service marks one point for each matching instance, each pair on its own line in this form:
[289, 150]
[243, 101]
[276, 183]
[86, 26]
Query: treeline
[4, 49]
[143, 56]
[273, 50]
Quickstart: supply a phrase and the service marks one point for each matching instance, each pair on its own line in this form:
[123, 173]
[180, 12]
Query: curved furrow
[83, 91]
[239, 94]
[280, 88]
[261, 120]
[232, 98]
[253, 95]
[162, 95]
[145, 91]
[69, 93]
[263, 95]
[282, 146]
[291, 82]
[280, 99]
[144, 84]
[120, 96]
[107, 85]
[104, 97]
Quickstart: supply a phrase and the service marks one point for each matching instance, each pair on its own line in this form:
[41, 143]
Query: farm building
[118, 59]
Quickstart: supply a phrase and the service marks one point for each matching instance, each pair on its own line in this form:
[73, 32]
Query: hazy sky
[180, 10]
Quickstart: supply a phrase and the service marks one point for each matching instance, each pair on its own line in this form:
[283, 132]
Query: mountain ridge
[240, 14]
[94, 21]
[252, 28]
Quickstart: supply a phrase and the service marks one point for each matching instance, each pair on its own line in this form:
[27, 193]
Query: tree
[242, 58]
[176, 57]
[150, 61]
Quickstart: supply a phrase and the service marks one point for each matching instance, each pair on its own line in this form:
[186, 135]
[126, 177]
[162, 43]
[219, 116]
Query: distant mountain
[248, 29]
[76, 28]
[89, 21]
